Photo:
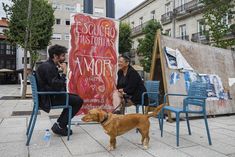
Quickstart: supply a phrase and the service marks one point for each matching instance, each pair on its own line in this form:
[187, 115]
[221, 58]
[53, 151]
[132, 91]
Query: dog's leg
[112, 144]
[142, 136]
[145, 137]
[146, 140]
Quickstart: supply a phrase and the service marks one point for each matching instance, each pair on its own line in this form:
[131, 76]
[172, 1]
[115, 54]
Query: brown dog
[115, 125]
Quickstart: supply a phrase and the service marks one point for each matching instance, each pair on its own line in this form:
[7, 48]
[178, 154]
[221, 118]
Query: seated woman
[130, 86]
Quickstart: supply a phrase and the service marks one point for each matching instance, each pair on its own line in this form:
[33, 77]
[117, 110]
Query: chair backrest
[197, 89]
[33, 83]
[153, 86]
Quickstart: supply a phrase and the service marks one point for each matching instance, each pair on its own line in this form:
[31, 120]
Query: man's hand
[121, 91]
[63, 66]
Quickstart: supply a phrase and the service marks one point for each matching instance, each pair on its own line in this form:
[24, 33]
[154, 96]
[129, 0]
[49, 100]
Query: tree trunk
[26, 49]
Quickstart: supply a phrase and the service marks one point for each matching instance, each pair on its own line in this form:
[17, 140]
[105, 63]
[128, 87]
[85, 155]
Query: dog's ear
[100, 115]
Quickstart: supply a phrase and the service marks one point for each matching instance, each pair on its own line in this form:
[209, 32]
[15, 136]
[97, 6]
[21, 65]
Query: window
[66, 36]
[78, 8]
[13, 64]
[182, 5]
[98, 11]
[2, 47]
[181, 2]
[56, 6]
[23, 60]
[70, 8]
[141, 20]
[168, 7]
[56, 36]
[201, 27]
[58, 21]
[225, 20]
[8, 64]
[82, 9]
[133, 24]
[153, 14]
[182, 32]
[8, 49]
[168, 32]
[1, 63]
[67, 22]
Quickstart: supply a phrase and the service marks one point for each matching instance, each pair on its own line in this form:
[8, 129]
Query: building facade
[63, 10]
[181, 19]
[61, 28]
[7, 57]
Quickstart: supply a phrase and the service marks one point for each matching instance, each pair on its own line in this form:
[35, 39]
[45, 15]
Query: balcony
[184, 37]
[188, 9]
[138, 30]
[167, 17]
[230, 36]
[193, 5]
[200, 38]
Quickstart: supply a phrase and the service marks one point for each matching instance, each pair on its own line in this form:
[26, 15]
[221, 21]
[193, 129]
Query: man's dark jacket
[49, 79]
[133, 85]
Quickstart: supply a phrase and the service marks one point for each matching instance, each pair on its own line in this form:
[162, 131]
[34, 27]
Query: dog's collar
[105, 118]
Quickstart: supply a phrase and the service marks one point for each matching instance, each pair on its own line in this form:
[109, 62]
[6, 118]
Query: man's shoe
[60, 131]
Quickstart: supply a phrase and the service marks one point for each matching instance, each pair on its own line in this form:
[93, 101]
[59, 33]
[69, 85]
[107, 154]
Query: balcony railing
[167, 17]
[200, 38]
[138, 29]
[186, 8]
[230, 35]
[184, 37]
[193, 5]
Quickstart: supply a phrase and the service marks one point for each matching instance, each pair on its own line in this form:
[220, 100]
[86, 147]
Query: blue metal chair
[152, 88]
[35, 95]
[197, 95]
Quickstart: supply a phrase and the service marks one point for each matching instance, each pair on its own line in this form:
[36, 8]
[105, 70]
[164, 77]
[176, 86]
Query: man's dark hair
[126, 57]
[57, 50]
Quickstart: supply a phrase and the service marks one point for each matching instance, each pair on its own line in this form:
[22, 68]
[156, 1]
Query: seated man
[130, 86]
[49, 79]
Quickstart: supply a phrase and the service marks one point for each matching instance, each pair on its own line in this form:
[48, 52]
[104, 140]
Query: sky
[123, 6]
[2, 13]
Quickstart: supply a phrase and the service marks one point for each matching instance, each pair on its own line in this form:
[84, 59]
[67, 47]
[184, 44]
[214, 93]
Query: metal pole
[110, 8]
[88, 6]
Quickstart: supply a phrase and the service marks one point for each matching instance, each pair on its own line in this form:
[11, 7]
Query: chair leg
[137, 108]
[32, 126]
[69, 121]
[188, 125]
[30, 121]
[177, 128]
[159, 121]
[146, 110]
[207, 130]
[162, 116]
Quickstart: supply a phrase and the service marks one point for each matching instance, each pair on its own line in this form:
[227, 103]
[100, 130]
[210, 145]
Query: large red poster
[93, 60]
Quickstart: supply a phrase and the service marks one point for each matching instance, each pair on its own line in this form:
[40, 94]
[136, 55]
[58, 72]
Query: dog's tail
[156, 111]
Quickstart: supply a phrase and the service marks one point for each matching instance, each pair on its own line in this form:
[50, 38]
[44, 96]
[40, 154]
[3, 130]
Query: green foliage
[124, 38]
[145, 46]
[40, 25]
[214, 13]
